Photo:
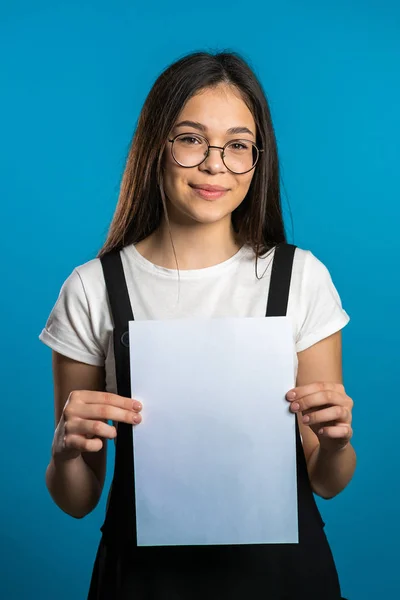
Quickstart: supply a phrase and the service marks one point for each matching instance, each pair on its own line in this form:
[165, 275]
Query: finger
[119, 401]
[107, 398]
[307, 411]
[79, 442]
[320, 386]
[317, 399]
[99, 412]
[87, 427]
[333, 413]
[336, 432]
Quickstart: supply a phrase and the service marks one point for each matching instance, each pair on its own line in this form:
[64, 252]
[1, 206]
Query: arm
[330, 466]
[75, 484]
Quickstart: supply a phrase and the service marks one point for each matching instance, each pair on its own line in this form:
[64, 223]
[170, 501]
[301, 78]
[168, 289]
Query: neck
[197, 246]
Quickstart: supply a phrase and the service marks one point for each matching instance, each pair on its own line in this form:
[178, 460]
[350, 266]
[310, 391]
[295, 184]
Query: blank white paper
[215, 459]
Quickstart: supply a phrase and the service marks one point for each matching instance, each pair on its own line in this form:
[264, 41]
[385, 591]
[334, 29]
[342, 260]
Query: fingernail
[136, 419]
[306, 419]
[295, 406]
[137, 405]
[291, 395]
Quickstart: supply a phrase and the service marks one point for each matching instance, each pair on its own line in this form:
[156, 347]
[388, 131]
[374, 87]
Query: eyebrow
[203, 128]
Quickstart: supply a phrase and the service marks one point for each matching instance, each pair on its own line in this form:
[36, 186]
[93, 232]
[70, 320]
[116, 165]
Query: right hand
[83, 424]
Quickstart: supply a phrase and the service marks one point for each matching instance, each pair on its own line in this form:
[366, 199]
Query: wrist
[331, 469]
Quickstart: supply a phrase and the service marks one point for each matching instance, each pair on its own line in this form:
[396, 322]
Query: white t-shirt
[80, 325]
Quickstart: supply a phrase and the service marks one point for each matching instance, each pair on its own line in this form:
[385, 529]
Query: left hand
[326, 408]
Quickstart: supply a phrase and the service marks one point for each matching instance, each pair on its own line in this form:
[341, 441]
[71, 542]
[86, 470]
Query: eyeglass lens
[190, 150]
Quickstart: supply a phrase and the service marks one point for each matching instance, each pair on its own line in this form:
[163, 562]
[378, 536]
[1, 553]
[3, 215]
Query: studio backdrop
[73, 79]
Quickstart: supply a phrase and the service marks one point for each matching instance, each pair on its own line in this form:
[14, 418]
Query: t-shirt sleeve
[69, 329]
[322, 313]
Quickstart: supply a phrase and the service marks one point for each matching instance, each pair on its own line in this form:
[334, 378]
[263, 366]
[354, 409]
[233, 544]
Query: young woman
[199, 212]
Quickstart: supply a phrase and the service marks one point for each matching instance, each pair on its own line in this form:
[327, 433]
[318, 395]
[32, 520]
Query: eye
[238, 146]
[189, 140]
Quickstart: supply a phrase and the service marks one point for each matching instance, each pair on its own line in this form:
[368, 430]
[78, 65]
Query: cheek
[171, 172]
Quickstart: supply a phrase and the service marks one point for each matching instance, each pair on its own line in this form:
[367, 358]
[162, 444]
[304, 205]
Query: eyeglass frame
[222, 148]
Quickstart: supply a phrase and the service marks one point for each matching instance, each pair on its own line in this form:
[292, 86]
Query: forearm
[73, 486]
[331, 470]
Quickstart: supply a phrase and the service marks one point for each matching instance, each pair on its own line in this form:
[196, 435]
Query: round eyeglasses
[190, 150]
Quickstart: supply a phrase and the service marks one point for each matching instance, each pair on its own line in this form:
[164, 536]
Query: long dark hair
[141, 204]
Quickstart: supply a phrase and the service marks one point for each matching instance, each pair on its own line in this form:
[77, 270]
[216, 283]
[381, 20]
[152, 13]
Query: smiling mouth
[208, 188]
[209, 192]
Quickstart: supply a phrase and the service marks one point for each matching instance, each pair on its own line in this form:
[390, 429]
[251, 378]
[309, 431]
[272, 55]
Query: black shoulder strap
[121, 312]
[120, 517]
[276, 307]
[280, 280]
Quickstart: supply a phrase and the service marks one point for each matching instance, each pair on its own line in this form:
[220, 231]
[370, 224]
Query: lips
[209, 192]
[209, 188]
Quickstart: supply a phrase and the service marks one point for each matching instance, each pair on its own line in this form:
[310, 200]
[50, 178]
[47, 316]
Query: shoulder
[89, 271]
[305, 263]
[312, 277]
[89, 278]
[84, 290]
[309, 265]
[83, 286]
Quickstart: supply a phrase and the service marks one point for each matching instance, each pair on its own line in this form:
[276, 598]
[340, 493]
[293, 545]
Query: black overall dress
[123, 571]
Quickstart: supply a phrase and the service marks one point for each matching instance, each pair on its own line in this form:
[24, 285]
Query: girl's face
[220, 115]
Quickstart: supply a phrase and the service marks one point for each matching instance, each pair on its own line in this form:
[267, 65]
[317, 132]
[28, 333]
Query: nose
[213, 163]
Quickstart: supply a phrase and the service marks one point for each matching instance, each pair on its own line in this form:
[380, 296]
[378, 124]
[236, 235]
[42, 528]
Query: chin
[207, 214]
[202, 211]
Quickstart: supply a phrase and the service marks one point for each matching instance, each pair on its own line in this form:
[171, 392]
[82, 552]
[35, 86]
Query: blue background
[73, 78]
